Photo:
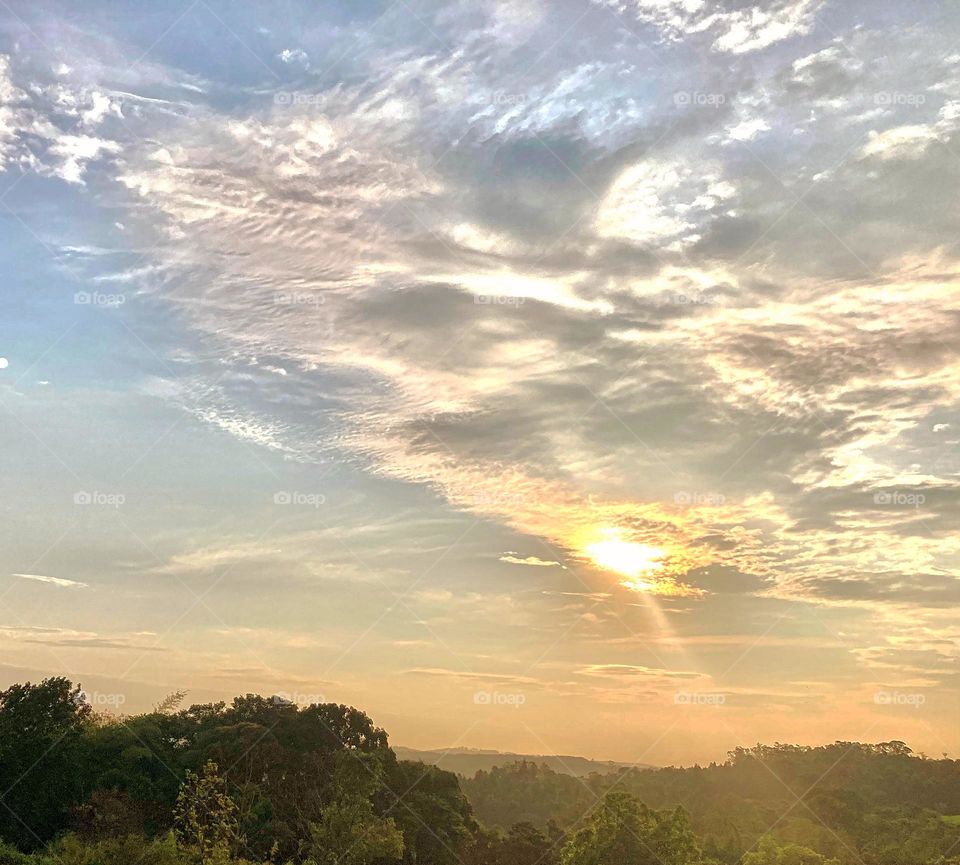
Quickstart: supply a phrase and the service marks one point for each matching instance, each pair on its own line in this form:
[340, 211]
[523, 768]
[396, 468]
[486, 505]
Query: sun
[630, 560]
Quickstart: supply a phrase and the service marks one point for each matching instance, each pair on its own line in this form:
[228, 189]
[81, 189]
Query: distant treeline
[263, 781]
[858, 803]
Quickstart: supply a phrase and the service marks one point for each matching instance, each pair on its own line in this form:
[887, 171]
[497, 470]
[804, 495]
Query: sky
[569, 377]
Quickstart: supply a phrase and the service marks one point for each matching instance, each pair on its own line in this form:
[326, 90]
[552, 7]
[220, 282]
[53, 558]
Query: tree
[205, 817]
[282, 760]
[430, 809]
[527, 845]
[623, 831]
[349, 831]
[768, 852]
[41, 760]
[524, 844]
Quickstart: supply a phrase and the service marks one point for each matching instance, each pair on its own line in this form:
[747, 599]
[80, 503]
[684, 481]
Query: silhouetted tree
[41, 759]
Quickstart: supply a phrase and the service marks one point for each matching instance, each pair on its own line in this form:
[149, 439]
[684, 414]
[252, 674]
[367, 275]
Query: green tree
[205, 817]
[525, 844]
[769, 852]
[431, 810]
[41, 759]
[623, 831]
[349, 831]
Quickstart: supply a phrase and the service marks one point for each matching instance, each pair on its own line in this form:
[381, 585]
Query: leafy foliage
[284, 785]
[205, 817]
[857, 803]
[41, 750]
[622, 830]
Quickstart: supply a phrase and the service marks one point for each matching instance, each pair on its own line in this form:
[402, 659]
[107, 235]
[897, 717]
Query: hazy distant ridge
[468, 761]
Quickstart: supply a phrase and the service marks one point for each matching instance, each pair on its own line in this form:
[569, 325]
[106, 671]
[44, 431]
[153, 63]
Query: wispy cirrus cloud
[60, 582]
[693, 297]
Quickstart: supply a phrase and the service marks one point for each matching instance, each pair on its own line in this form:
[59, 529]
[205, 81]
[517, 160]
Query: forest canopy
[264, 781]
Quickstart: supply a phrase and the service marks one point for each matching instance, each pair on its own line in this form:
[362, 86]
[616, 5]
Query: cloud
[573, 307]
[747, 130]
[685, 338]
[295, 57]
[76, 151]
[54, 581]
[909, 142]
[737, 31]
[75, 639]
[534, 561]
[33, 133]
[628, 671]
[665, 202]
[473, 677]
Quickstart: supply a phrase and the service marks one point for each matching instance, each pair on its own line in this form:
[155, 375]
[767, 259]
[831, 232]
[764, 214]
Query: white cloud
[901, 141]
[54, 581]
[740, 31]
[295, 57]
[534, 561]
[911, 141]
[755, 27]
[747, 130]
[332, 200]
[12, 117]
[660, 201]
[76, 151]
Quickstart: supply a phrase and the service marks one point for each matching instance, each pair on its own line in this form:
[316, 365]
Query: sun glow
[631, 560]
